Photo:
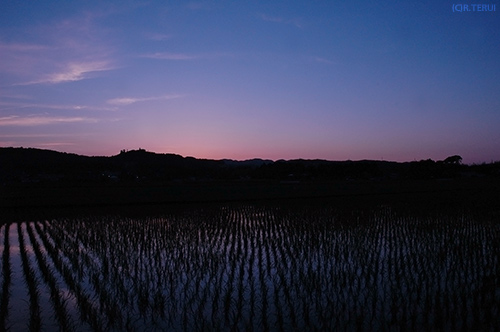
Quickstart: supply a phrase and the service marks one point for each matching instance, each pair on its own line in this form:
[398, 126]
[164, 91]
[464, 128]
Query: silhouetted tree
[456, 159]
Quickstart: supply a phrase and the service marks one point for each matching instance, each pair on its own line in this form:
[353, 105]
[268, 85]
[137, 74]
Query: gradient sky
[243, 79]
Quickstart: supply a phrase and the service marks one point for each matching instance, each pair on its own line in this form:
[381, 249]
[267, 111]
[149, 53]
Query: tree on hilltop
[456, 159]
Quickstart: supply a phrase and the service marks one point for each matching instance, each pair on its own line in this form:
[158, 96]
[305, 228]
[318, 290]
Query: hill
[28, 165]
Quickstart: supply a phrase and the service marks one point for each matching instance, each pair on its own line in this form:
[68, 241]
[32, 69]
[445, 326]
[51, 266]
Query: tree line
[28, 165]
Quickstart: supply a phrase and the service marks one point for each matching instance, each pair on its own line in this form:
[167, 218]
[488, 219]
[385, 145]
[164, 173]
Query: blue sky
[244, 79]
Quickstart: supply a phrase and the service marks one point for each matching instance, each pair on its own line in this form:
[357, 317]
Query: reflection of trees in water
[255, 268]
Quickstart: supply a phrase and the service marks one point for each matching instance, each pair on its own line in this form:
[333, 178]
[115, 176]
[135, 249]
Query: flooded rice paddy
[252, 268]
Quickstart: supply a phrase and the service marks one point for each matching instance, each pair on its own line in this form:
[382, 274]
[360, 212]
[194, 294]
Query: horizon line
[241, 160]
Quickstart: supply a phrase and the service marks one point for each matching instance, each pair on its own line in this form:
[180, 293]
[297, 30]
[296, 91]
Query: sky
[331, 80]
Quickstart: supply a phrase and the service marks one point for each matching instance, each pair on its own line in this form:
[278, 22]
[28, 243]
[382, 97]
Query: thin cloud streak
[78, 71]
[131, 100]
[74, 72]
[29, 121]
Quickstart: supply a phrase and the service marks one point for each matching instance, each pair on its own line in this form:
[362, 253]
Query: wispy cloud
[36, 120]
[75, 71]
[66, 51]
[131, 100]
[78, 71]
[277, 19]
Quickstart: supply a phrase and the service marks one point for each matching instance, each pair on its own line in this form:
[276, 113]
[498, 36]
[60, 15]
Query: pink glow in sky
[259, 79]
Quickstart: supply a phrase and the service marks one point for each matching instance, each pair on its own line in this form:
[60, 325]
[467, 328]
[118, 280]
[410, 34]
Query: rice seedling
[32, 284]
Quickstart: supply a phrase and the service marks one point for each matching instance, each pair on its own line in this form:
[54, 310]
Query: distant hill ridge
[35, 165]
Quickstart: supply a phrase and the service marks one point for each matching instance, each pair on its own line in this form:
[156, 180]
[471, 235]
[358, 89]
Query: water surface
[254, 267]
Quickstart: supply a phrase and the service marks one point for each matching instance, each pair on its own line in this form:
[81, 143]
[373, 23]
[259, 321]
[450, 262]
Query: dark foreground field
[21, 200]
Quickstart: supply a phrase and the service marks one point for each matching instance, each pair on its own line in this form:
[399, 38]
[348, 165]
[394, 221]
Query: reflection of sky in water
[252, 267]
[19, 299]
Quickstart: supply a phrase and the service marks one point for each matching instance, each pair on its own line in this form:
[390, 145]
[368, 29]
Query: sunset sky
[308, 79]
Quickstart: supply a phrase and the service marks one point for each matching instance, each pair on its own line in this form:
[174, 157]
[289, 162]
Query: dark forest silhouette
[25, 165]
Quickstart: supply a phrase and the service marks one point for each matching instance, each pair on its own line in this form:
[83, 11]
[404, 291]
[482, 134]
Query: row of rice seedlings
[393, 262]
[88, 312]
[253, 268]
[359, 277]
[32, 284]
[74, 258]
[56, 296]
[59, 239]
[79, 259]
[47, 315]
[76, 261]
[355, 274]
[401, 277]
[434, 273]
[137, 278]
[108, 288]
[157, 297]
[6, 279]
[197, 281]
